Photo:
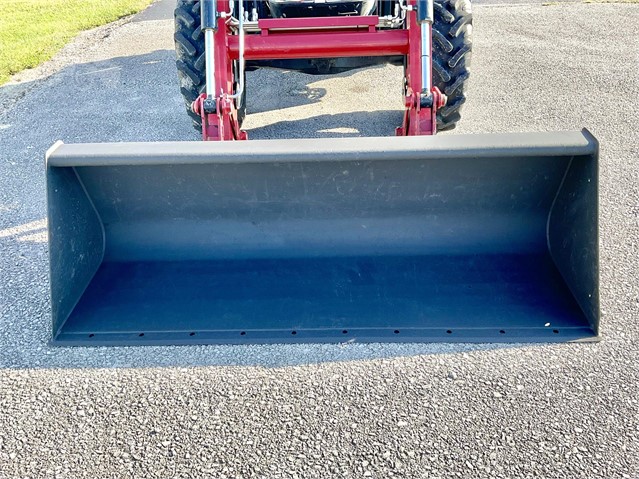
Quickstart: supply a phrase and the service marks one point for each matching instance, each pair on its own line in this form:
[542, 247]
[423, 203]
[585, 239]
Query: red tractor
[417, 237]
[218, 41]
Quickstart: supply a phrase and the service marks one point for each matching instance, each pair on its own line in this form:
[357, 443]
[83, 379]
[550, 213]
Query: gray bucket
[474, 238]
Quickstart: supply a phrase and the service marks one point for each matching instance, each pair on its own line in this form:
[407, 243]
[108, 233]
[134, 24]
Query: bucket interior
[483, 244]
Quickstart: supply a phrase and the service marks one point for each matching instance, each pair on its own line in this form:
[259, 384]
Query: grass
[32, 31]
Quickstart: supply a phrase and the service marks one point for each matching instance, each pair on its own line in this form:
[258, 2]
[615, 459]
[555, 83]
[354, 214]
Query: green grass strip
[32, 31]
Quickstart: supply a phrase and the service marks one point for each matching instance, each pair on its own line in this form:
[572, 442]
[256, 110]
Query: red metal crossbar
[321, 45]
[327, 37]
[266, 25]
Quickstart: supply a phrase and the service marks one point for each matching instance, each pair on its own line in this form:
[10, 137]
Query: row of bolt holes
[243, 333]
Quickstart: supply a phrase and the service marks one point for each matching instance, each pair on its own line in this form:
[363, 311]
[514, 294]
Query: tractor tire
[452, 43]
[190, 63]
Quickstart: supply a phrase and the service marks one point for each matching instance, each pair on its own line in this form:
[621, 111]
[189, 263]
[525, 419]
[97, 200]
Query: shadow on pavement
[355, 124]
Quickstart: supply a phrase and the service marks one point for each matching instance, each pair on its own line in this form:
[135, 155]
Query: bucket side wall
[573, 234]
[76, 241]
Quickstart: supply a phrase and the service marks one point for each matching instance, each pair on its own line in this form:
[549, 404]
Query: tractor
[416, 237]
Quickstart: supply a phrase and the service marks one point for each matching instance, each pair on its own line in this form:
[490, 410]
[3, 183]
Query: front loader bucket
[477, 238]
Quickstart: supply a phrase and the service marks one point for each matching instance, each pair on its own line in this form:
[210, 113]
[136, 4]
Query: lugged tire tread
[451, 66]
[190, 61]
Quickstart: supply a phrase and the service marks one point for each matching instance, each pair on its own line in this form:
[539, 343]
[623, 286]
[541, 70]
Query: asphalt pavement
[349, 410]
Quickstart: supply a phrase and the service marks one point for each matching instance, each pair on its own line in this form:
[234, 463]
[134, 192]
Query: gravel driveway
[415, 411]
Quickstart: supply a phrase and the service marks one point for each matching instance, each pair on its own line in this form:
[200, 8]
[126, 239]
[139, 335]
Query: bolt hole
[243, 333]
[396, 331]
[556, 331]
[501, 331]
[293, 332]
[345, 332]
[191, 334]
[91, 335]
[448, 331]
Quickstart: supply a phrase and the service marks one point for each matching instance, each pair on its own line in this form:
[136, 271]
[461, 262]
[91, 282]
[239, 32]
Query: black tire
[452, 44]
[190, 63]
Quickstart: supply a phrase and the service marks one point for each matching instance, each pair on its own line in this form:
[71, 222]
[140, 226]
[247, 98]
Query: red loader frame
[326, 37]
